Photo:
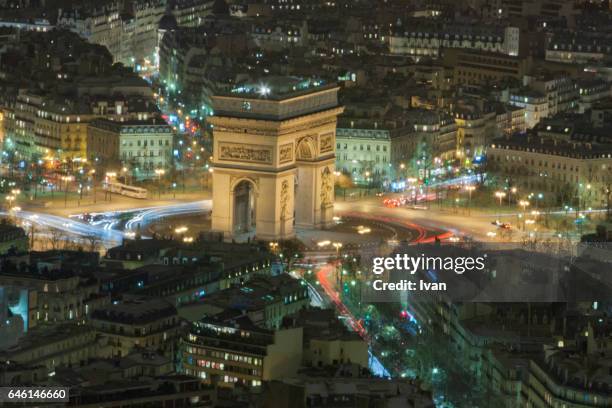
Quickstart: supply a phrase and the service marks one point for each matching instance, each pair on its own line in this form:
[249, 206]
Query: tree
[567, 194]
[93, 242]
[56, 238]
[422, 159]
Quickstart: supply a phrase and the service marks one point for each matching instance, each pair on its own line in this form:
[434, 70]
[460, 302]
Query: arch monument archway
[274, 146]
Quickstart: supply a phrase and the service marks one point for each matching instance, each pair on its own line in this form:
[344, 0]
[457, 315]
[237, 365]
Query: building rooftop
[279, 87]
[135, 311]
[255, 294]
[321, 324]
[129, 126]
[276, 98]
[45, 336]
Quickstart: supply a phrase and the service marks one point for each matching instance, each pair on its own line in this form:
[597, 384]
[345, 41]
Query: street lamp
[66, 179]
[125, 174]
[159, 173]
[110, 176]
[500, 195]
[524, 204]
[470, 189]
[513, 190]
[10, 199]
[14, 193]
[413, 187]
[273, 246]
[337, 181]
[584, 202]
[338, 245]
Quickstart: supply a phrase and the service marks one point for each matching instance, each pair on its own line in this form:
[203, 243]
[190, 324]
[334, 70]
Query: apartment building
[510, 119]
[436, 129]
[566, 164]
[561, 91]
[276, 35]
[428, 41]
[191, 13]
[327, 341]
[52, 347]
[364, 147]
[130, 34]
[230, 349]
[534, 103]
[580, 47]
[592, 91]
[266, 300]
[55, 127]
[477, 67]
[141, 146]
[56, 293]
[147, 323]
[476, 126]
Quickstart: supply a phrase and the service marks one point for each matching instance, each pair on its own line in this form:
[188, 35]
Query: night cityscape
[306, 203]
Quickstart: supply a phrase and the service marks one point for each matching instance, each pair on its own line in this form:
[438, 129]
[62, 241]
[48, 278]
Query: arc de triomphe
[274, 157]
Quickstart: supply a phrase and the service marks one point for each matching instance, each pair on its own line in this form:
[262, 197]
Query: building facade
[429, 42]
[136, 323]
[237, 352]
[476, 67]
[579, 47]
[572, 172]
[360, 150]
[141, 146]
[534, 103]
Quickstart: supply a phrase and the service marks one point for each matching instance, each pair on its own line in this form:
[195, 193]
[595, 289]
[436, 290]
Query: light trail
[68, 226]
[140, 217]
[334, 296]
[423, 235]
[147, 215]
[107, 226]
[373, 362]
[316, 299]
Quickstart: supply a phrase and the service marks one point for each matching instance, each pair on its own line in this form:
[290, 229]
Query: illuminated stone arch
[277, 153]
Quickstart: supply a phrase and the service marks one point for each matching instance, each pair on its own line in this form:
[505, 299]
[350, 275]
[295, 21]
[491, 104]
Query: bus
[124, 189]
